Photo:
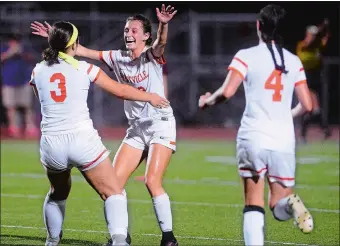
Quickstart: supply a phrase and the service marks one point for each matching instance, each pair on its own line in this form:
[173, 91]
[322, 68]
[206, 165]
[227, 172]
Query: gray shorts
[17, 96]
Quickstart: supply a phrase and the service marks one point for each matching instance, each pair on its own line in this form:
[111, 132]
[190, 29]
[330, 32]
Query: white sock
[253, 228]
[116, 214]
[162, 207]
[127, 209]
[282, 211]
[54, 213]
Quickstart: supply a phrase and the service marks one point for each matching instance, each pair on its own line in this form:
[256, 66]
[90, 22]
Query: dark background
[299, 15]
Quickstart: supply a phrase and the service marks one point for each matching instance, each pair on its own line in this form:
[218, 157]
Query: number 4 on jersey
[274, 83]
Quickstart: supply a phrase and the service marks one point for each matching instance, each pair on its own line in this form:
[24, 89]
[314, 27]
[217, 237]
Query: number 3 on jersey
[61, 85]
[274, 83]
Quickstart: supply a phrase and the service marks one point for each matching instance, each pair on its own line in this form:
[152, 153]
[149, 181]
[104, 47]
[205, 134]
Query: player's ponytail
[58, 38]
[281, 68]
[50, 56]
[270, 23]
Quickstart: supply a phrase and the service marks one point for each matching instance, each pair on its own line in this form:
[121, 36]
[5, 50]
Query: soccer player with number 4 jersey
[266, 140]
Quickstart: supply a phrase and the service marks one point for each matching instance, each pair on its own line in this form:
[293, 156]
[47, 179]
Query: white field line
[302, 160]
[140, 201]
[154, 235]
[203, 181]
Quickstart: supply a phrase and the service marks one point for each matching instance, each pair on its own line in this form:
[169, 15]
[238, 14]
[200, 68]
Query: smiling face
[134, 36]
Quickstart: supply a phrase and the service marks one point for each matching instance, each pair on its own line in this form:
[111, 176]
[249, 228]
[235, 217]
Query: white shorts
[83, 150]
[144, 132]
[255, 162]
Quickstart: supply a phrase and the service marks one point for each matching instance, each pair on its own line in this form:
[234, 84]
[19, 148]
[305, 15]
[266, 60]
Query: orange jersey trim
[102, 59]
[90, 68]
[160, 60]
[237, 71]
[97, 76]
[300, 82]
[92, 162]
[242, 62]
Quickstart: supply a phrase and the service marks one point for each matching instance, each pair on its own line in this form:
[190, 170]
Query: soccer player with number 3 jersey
[152, 130]
[68, 137]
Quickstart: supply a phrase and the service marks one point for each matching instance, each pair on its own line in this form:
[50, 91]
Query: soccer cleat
[128, 238]
[54, 241]
[172, 242]
[303, 219]
[120, 240]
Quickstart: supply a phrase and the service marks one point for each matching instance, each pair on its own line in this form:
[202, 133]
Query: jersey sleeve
[300, 75]
[34, 71]
[32, 82]
[107, 58]
[239, 64]
[92, 71]
[159, 60]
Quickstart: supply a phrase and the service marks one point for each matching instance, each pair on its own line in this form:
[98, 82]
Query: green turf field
[202, 182]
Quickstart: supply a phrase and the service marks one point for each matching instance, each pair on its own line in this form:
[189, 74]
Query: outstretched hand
[202, 101]
[166, 14]
[41, 29]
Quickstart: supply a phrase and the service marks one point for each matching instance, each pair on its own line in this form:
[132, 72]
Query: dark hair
[270, 20]
[147, 27]
[15, 37]
[58, 38]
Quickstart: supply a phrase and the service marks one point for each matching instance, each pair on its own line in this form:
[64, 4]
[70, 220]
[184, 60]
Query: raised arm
[164, 16]
[42, 30]
[226, 91]
[238, 69]
[88, 53]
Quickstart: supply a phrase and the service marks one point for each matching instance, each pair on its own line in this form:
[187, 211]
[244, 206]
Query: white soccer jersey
[267, 119]
[143, 73]
[63, 92]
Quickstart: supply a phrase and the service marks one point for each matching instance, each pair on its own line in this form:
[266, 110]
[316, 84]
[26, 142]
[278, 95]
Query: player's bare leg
[54, 205]
[125, 162]
[104, 181]
[286, 205]
[253, 212]
[158, 159]
[31, 130]
[13, 130]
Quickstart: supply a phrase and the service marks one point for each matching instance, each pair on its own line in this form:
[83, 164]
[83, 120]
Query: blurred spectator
[309, 51]
[16, 92]
[3, 118]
